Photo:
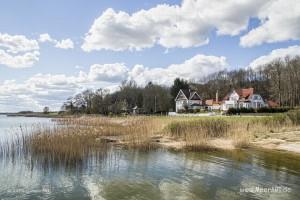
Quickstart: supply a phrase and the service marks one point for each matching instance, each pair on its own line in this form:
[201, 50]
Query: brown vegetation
[73, 140]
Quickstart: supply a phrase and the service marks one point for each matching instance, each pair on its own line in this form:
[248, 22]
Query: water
[156, 175]
[10, 126]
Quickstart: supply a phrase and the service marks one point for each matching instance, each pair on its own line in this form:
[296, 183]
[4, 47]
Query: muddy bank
[287, 141]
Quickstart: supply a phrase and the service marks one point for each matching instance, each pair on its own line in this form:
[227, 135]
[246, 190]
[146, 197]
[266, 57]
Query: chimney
[217, 96]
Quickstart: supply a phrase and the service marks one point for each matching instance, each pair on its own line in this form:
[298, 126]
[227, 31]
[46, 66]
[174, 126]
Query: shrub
[234, 111]
[181, 111]
[273, 110]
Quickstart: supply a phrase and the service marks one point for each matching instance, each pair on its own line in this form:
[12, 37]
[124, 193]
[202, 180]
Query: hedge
[233, 111]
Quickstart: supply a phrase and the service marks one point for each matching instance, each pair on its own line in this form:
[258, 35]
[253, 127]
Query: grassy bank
[73, 140]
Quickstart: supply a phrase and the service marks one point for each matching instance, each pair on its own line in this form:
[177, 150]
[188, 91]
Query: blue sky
[160, 59]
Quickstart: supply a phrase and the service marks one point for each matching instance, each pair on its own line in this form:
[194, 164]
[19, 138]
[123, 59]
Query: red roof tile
[245, 93]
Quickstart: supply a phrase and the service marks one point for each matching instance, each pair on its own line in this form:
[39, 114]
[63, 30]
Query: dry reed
[74, 140]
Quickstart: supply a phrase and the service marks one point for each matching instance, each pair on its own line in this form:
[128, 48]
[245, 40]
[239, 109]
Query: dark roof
[186, 92]
[191, 95]
[194, 96]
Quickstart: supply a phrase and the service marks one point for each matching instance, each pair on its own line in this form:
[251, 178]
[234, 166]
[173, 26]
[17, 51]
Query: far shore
[34, 114]
[171, 114]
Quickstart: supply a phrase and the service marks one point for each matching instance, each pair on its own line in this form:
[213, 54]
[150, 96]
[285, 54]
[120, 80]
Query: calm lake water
[156, 175]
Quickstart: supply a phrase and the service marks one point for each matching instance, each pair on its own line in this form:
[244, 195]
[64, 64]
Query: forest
[278, 81]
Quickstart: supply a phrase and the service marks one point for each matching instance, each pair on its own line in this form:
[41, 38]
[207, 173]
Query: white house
[243, 98]
[187, 100]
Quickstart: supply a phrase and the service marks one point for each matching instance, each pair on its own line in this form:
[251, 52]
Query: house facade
[243, 98]
[213, 104]
[187, 100]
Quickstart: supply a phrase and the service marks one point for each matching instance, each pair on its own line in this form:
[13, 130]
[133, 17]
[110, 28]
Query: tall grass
[72, 141]
[197, 133]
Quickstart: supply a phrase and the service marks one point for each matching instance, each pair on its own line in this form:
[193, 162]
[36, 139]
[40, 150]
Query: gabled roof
[194, 96]
[243, 93]
[186, 93]
[190, 95]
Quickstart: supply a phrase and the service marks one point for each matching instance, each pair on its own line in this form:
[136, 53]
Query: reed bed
[72, 141]
[198, 133]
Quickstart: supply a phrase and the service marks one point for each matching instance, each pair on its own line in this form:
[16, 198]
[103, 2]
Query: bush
[181, 111]
[234, 111]
[273, 110]
[197, 110]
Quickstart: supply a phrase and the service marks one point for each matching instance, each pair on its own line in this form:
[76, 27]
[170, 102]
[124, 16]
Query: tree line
[278, 80]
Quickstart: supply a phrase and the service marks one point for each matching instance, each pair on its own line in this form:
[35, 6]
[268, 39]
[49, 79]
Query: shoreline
[179, 133]
[41, 115]
[218, 144]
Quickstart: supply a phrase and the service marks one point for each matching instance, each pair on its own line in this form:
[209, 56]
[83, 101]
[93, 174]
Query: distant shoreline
[33, 114]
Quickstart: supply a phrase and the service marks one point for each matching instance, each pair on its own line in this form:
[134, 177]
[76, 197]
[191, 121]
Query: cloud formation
[62, 44]
[185, 25]
[280, 21]
[108, 72]
[281, 53]
[192, 69]
[17, 51]
[191, 23]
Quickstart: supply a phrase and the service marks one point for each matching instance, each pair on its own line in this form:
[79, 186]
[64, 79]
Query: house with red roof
[243, 98]
[213, 104]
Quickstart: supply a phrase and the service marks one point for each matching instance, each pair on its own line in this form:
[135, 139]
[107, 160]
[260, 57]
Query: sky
[53, 49]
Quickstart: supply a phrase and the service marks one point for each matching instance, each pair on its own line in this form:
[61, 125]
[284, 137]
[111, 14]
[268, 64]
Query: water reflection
[157, 174]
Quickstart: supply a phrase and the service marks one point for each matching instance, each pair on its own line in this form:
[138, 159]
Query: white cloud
[42, 90]
[195, 68]
[108, 72]
[291, 51]
[187, 25]
[45, 37]
[280, 21]
[19, 61]
[17, 43]
[52, 89]
[17, 51]
[63, 44]
[191, 23]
